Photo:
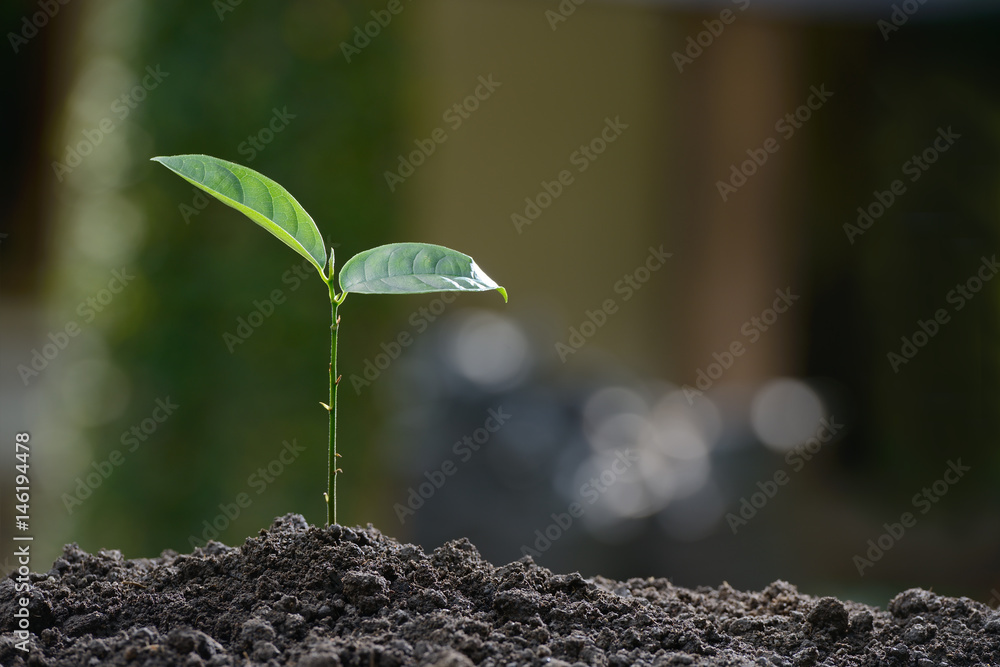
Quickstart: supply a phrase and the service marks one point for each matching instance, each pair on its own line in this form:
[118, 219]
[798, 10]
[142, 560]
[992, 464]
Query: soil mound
[300, 595]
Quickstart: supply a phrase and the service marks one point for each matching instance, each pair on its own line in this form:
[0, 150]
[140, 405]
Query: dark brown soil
[298, 595]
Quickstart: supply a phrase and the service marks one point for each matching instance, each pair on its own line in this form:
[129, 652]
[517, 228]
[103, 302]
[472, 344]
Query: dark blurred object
[587, 467]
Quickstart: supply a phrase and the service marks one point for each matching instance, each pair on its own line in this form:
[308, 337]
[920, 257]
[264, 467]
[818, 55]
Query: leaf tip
[503, 293]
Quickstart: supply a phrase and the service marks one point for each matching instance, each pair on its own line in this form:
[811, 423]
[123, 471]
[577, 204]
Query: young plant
[396, 268]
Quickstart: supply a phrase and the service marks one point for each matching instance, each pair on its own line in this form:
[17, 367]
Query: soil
[300, 595]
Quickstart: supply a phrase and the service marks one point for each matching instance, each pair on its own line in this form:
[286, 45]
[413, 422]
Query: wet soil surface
[298, 595]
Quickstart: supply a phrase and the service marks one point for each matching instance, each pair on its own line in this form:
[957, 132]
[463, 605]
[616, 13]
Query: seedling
[396, 268]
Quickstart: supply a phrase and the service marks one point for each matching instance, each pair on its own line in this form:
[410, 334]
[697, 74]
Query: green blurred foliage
[225, 79]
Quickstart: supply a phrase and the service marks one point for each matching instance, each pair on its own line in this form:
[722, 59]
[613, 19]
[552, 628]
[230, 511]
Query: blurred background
[749, 248]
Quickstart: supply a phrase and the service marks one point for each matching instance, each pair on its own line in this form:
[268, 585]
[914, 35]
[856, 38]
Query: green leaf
[414, 268]
[256, 196]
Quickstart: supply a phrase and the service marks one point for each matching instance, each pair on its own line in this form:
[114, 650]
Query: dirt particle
[288, 603]
[862, 622]
[918, 632]
[290, 523]
[899, 652]
[450, 659]
[807, 657]
[910, 602]
[256, 630]
[264, 651]
[186, 640]
[320, 660]
[515, 604]
[742, 626]
[368, 592]
[830, 616]
[213, 548]
[79, 625]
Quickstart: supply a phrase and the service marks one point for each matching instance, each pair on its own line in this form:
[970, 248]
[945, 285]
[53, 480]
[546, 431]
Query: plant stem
[333, 469]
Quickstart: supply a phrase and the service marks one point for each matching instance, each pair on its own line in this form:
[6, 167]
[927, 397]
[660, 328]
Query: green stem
[333, 469]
